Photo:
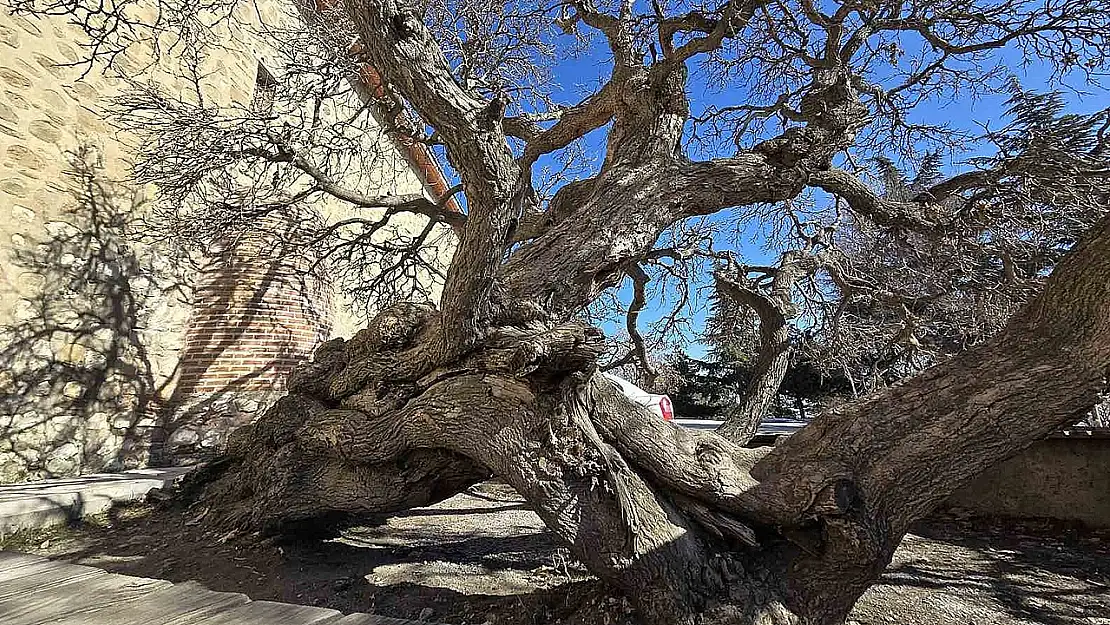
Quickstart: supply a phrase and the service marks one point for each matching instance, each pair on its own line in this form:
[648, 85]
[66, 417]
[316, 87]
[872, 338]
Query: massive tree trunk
[499, 380]
[691, 526]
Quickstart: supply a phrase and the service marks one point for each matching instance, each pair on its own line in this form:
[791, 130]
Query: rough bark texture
[499, 380]
[688, 524]
[353, 439]
[775, 308]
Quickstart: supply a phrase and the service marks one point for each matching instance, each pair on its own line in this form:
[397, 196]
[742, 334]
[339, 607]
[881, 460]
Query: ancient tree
[498, 377]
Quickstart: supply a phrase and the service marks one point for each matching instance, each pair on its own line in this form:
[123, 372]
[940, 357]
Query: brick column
[259, 311]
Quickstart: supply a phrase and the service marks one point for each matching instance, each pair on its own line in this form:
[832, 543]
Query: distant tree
[706, 388]
[907, 297]
[807, 382]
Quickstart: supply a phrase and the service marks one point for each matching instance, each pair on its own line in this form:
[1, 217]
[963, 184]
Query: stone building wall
[53, 427]
[130, 347]
[1063, 477]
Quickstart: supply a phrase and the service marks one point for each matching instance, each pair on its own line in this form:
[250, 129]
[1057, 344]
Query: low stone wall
[1065, 477]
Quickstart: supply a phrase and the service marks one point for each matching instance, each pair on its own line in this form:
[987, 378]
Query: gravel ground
[994, 571]
[482, 557]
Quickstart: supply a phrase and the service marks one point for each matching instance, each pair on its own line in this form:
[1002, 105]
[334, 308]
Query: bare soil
[483, 557]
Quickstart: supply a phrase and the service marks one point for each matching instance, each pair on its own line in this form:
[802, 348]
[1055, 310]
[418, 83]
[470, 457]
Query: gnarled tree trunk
[691, 526]
[499, 380]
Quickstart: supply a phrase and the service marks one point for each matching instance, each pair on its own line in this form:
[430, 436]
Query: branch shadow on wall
[191, 413]
[98, 370]
[256, 301]
[78, 379]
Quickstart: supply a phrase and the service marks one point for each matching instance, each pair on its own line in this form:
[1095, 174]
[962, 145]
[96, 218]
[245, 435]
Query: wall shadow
[125, 351]
[80, 379]
[259, 311]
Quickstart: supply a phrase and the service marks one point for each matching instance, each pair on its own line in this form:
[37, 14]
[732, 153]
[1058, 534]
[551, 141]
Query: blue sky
[970, 114]
[576, 77]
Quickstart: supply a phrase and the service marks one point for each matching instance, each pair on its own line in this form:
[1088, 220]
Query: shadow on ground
[979, 571]
[476, 558]
[482, 557]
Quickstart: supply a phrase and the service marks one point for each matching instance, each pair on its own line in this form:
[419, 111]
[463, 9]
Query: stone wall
[77, 303]
[112, 345]
[1066, 477]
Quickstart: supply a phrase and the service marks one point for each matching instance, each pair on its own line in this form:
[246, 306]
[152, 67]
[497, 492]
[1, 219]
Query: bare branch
[922, 216]
[639, 300]
[412, 203]
[571, 124]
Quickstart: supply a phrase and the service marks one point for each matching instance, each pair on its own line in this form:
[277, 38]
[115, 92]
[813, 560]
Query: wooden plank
[104, 591]
[272, 613]
[186, 603]
[12, 559]
[23, 569]
[38, 591]
[44, 576]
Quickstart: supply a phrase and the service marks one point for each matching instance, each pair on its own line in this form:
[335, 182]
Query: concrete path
[50, 502]
[37, 591]
[767, 428]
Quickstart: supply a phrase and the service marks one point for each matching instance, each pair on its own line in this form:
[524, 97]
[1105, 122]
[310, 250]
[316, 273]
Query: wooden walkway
[38, 591]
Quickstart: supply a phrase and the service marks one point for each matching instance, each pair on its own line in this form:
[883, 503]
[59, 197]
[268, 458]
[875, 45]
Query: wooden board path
[38, 591]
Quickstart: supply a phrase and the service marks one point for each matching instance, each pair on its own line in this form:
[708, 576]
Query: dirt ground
[482, 557]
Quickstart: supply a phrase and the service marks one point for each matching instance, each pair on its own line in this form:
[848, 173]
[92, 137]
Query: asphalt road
[767, 428]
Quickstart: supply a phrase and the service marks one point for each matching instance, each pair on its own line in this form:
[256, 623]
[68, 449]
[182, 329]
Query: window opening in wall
[265, 87]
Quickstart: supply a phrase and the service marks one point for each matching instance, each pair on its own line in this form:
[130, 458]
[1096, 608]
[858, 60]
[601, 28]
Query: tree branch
[705, 187]
[908, 448]
[573, 123]
[774, 308]
[631, 323]
[411, 203]
[920, 216]
[615, 29]
[404, 51]
[734, 17]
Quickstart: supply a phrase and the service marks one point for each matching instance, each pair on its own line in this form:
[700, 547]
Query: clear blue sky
[576, 77]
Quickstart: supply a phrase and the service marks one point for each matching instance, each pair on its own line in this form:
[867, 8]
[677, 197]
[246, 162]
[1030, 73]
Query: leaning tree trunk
[742, 420]
[775, 309]
[690, 526]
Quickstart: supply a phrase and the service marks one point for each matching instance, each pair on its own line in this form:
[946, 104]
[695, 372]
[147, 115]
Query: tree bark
[775, 309]
[355, 439]
[902, 451]
[500, 378]
[742, 420]
[691, 526]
